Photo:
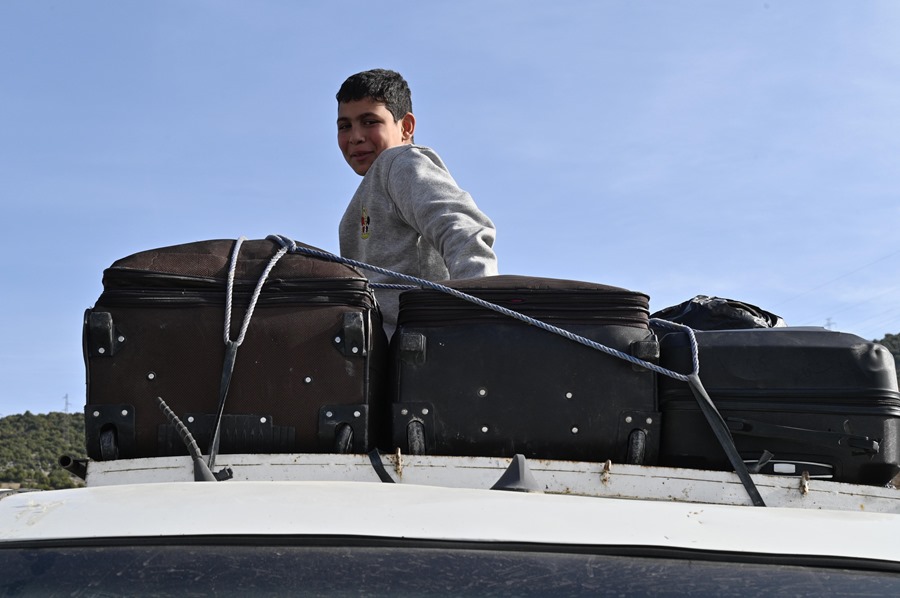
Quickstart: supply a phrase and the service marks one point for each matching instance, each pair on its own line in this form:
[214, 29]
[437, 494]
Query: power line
[855, 305]
[842, 276]
[885, 321]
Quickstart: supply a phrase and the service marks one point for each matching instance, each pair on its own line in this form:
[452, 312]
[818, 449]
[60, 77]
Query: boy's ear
[408, 126]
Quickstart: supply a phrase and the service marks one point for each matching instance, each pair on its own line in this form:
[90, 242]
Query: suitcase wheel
[109, 447]
[343, 439]
[637, 447]
[415, 438]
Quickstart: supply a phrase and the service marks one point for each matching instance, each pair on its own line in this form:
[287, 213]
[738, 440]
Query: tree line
[30, 447]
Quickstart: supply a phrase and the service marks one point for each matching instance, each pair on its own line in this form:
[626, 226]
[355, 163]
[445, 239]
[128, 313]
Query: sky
[748, 150]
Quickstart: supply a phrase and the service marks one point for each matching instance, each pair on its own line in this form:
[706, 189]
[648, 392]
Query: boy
[408, 214]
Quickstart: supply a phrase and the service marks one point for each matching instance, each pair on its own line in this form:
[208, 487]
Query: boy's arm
[431, 202]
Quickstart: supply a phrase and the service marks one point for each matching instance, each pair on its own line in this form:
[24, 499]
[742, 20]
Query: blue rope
[394, 287]
[293, 247]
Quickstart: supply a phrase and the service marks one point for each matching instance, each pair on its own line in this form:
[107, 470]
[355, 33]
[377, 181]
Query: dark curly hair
[380, 85]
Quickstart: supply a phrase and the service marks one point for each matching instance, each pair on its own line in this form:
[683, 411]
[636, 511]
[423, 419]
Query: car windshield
[252, 568]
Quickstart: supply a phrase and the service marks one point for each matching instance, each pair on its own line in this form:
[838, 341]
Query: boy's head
[384, 86]
[374, 114]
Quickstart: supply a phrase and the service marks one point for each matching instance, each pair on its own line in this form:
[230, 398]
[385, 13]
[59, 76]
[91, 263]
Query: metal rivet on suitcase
[574, 429]
[151, 375]
[307, 380]
[568, 395]
[482, 392]
[484, 429]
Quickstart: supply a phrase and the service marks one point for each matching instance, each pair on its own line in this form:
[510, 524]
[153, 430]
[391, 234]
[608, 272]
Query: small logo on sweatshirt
[364, 224]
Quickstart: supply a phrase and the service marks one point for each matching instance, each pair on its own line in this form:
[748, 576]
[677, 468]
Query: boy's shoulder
[409, 156]
[408, 171]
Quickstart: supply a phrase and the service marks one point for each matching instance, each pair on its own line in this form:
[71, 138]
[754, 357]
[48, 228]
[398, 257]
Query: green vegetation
[30, 446]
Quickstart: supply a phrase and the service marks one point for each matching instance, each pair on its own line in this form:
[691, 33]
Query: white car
[327, 525]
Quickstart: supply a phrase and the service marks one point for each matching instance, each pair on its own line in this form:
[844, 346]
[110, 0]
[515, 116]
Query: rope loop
[695, 353]
[229, 294]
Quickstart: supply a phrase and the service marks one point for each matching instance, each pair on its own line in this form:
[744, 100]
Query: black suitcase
[472, 382]
[308, 377]
[821, 402]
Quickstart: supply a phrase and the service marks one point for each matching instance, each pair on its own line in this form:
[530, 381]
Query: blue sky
[740, 149]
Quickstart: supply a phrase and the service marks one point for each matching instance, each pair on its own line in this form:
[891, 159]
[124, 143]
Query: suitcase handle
[836, 441]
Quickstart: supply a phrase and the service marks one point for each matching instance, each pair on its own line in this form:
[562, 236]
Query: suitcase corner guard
[109, 431]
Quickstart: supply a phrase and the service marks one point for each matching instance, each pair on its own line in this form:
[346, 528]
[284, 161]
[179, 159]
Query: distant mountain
[30, 446]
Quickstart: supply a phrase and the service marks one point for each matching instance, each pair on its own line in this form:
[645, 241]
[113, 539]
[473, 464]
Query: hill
[30, 446]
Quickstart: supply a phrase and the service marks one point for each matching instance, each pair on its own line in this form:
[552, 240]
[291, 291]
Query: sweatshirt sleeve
[431, 202]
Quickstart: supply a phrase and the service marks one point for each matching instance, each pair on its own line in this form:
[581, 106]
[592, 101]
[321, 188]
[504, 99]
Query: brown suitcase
[308, 375]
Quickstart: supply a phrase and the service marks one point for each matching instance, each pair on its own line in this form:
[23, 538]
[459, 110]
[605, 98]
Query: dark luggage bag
[717, 313]
[818, 401]
[308, 377]
[469, 381]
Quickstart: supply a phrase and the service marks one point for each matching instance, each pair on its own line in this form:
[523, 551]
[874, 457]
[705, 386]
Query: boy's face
[366, 128]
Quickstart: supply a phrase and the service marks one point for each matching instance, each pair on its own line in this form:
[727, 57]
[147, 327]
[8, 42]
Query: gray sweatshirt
[409, 215]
